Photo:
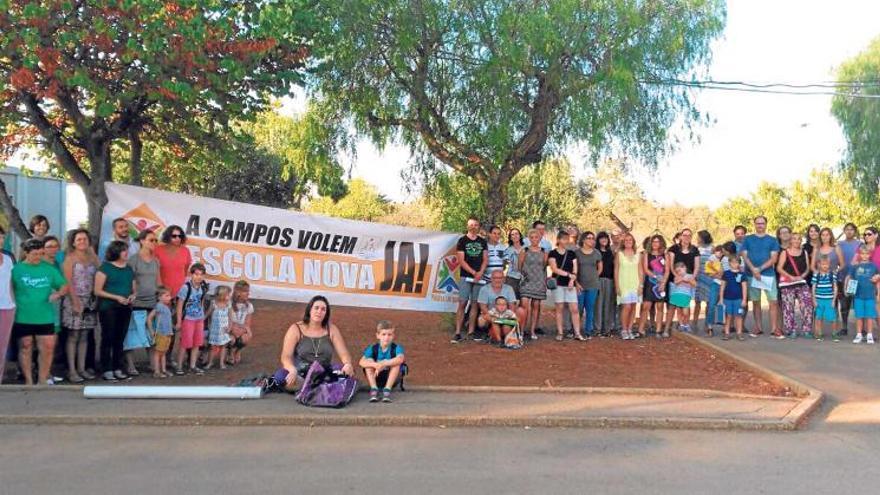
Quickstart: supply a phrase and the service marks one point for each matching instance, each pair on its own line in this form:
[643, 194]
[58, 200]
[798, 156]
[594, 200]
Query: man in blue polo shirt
[760, 252]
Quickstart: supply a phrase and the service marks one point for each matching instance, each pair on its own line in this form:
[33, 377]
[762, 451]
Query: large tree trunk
[96, 193]
[12, 213]
[137, 150]
[495, 193]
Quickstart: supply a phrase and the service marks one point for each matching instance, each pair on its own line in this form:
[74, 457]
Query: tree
[857, 109]
[273, 160]
[363, 202]
[826, 198]
[79, 76]
[486, 88]
[547, 192]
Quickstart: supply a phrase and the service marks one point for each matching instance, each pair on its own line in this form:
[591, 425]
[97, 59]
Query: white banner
[292, 256]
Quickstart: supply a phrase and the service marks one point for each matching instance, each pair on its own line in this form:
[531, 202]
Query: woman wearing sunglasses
[174, 258]
[146, 273]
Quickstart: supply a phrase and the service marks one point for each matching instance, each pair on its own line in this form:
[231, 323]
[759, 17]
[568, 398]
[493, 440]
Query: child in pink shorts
[191, 318]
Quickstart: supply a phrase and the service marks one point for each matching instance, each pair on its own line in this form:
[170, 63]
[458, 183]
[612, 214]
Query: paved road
[834, 453]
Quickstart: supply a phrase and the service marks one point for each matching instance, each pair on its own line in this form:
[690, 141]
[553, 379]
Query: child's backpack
[326, 388]
[382, 379]
[189, 288]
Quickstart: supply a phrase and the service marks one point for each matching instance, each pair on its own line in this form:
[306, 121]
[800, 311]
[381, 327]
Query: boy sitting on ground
[382, 361]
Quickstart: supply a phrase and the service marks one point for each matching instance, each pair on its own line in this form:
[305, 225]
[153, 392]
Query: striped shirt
[496, 260]
[824, 285]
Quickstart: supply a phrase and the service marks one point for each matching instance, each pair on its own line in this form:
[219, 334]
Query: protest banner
[292, 256]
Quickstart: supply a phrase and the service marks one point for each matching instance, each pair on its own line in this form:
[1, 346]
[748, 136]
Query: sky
[754, 136]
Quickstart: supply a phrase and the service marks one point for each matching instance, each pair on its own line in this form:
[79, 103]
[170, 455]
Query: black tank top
[311, 349]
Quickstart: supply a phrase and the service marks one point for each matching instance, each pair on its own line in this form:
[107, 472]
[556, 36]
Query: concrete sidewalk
[683, 410]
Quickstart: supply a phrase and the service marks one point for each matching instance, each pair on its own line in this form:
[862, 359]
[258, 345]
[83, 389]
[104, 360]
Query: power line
[794, 90]
[823, 84]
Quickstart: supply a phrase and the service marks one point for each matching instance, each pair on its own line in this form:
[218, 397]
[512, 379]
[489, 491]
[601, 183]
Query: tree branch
[54, 141]
[12, 213]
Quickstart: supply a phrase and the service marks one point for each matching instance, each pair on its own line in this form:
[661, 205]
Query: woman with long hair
[683, 252]
[512, 254]
[79, 310]
[656, 274]
[314, 338]
[627, 279]
[606, 302]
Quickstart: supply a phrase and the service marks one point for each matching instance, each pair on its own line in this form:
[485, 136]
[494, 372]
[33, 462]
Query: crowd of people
[102, 305]
[609, 284]
[99, 307]
[142, 294]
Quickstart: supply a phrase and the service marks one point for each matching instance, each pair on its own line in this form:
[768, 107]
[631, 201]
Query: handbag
[552, 284]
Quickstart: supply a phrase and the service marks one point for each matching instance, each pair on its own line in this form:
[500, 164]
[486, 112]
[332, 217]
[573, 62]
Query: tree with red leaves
[76, 77]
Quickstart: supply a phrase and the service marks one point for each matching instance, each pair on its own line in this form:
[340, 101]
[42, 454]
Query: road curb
[406, 421]
[811, 398]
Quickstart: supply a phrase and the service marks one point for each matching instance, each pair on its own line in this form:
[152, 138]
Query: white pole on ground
[167, 392]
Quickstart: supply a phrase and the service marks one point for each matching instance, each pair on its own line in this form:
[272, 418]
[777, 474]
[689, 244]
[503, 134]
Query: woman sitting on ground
[312, 339]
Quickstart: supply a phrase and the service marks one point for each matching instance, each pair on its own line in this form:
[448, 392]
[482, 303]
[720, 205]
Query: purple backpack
[326, 388]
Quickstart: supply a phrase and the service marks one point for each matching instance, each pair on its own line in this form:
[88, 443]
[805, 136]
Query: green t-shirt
[33, 284]
[118, 282]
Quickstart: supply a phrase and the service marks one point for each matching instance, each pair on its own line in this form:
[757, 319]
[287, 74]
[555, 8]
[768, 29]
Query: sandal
[740, 337]
[133, 372]
[157, 374]
[725, 337]
[75, 378]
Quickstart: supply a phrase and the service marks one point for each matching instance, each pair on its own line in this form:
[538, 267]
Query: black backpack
[404, 369]
[204, 287]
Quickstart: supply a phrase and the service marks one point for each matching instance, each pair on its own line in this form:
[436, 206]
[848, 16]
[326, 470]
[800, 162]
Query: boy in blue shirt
[864, 303]
[732, 295]
[382, 362]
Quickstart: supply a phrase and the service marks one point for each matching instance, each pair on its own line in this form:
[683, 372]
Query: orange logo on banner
[142, 218]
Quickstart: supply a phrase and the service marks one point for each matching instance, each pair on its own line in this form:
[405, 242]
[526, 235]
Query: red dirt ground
[644, 363]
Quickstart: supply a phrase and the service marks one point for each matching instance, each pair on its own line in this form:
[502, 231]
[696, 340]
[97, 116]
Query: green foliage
[547, 192]
[489, 87]
[860, 119]
[83, 75]
[273, 160]
[363, 202]
[826, 198]
[307, 146]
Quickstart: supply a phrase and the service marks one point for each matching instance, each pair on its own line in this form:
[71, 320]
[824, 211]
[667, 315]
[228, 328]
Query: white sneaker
[870, 339]
[108, 376]
[858, 339]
